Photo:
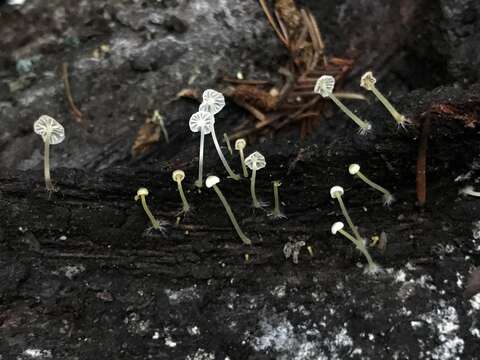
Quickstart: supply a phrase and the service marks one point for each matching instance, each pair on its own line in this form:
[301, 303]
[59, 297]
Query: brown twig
[422, 162]
[75, 112]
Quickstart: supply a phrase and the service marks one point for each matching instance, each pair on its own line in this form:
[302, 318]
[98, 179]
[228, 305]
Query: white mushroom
[354, 169]
[213, 101]
[255, 162]
[337, 192]
[52, 133]
[142, 193]
[240, 145]
[202, 122]
[178, 176]
[324, 86]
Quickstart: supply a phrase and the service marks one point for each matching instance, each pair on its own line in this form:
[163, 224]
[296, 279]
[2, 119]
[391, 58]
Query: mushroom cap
[49, 129]
[240, 144]
[178, 175]
[202, 119]
[277, 183]
[325, 85]
[212, 180]
[353, 169]
[337, 227]
[141, 192]
[368, 81]
[213, 101]
[255, 161]
[336, 190]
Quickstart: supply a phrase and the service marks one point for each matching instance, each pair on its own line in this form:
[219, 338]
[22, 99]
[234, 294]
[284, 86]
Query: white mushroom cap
[49, 129]
[141, 192]
[202, 119]
[213, 101]
[353, 169]
[178, 175]
[255, 161]
[325, 85]
[212, 180]
[334, 191]
[368, 81]
[337, 227]
[240, 144]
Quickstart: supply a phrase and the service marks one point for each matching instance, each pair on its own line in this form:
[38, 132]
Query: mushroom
[360, 244]
[336, 192]
[213, 102]
[178, 176]
[212, 181]
[52, 133]
[277, 213]
[201, 121]
[255, 161]
[368, 82]
[324, 87]
[141, 194]
[354, 169]
[240, 145]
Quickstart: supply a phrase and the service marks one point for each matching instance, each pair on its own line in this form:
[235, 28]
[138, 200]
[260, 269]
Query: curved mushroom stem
[186, 205]
[239, 231]
[224, 161]
[387, 195]
[199, 181]
[244, 167]
[46, 167]
[155, 223]
[347, 217]
[361, 247]
[399, 118]
[365, 126]
[256, 203]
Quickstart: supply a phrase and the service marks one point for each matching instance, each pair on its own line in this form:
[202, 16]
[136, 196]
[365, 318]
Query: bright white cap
[255, 161]
[336, 190]
[368, 81]
[213, 101]
[202, 119]
[49, 129]
[141, 192]
[178, 175]
[353, 169]
[240, 144]
[212, 180]
[337, 227]
[325, 85]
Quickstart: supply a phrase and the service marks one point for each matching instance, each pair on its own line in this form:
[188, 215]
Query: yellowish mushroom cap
[240, 144]
[353, 169]
[336, 190]
[368, 81]
[141, 192]
[178, 175]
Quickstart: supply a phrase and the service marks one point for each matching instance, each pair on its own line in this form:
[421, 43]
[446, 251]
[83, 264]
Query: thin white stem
[374, 185]
[347, 217]
[227, 141]
[224, 161]
[361, 247]
[363, 124]
[256, 203]
[239, 231]
[186, 205]
[399, 118]
[155, 223]
[244, 167]
[199, 182]
[46, 166]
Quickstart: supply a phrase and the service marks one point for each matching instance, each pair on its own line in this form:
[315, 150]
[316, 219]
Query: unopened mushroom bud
[142, 193]
[255, 162]
[212, 182]
[178, 176]
[337, 192]
[240, 145]
[52, 133]
[368, 82]
[324, 86]
[354, 169]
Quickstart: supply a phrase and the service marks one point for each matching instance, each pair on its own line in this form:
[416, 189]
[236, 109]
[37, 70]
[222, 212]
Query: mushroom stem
[199, 181]
[256, 203]
[224, 161]
[347, 217]
[46, 166]
[227, 141]
[277, 212]
[399, 118]
[186, 205]
[244, 167]
[239, 231]
[361, 247]
[387, 195]
[364, 126]
[155, 223]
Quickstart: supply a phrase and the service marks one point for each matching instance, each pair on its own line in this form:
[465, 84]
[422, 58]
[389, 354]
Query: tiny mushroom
[212, 181]
[360, 244]
[240, 145]
[337, 192]
[52, 133]
[255, 162]
[277, 212]
[141, 194]
[324, 86]
[178, 176]
[354, 169]
[368, 82]
[201, 121]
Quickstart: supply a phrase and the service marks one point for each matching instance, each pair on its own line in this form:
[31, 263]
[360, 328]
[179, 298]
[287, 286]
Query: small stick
[76, 113]
[422, 163]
